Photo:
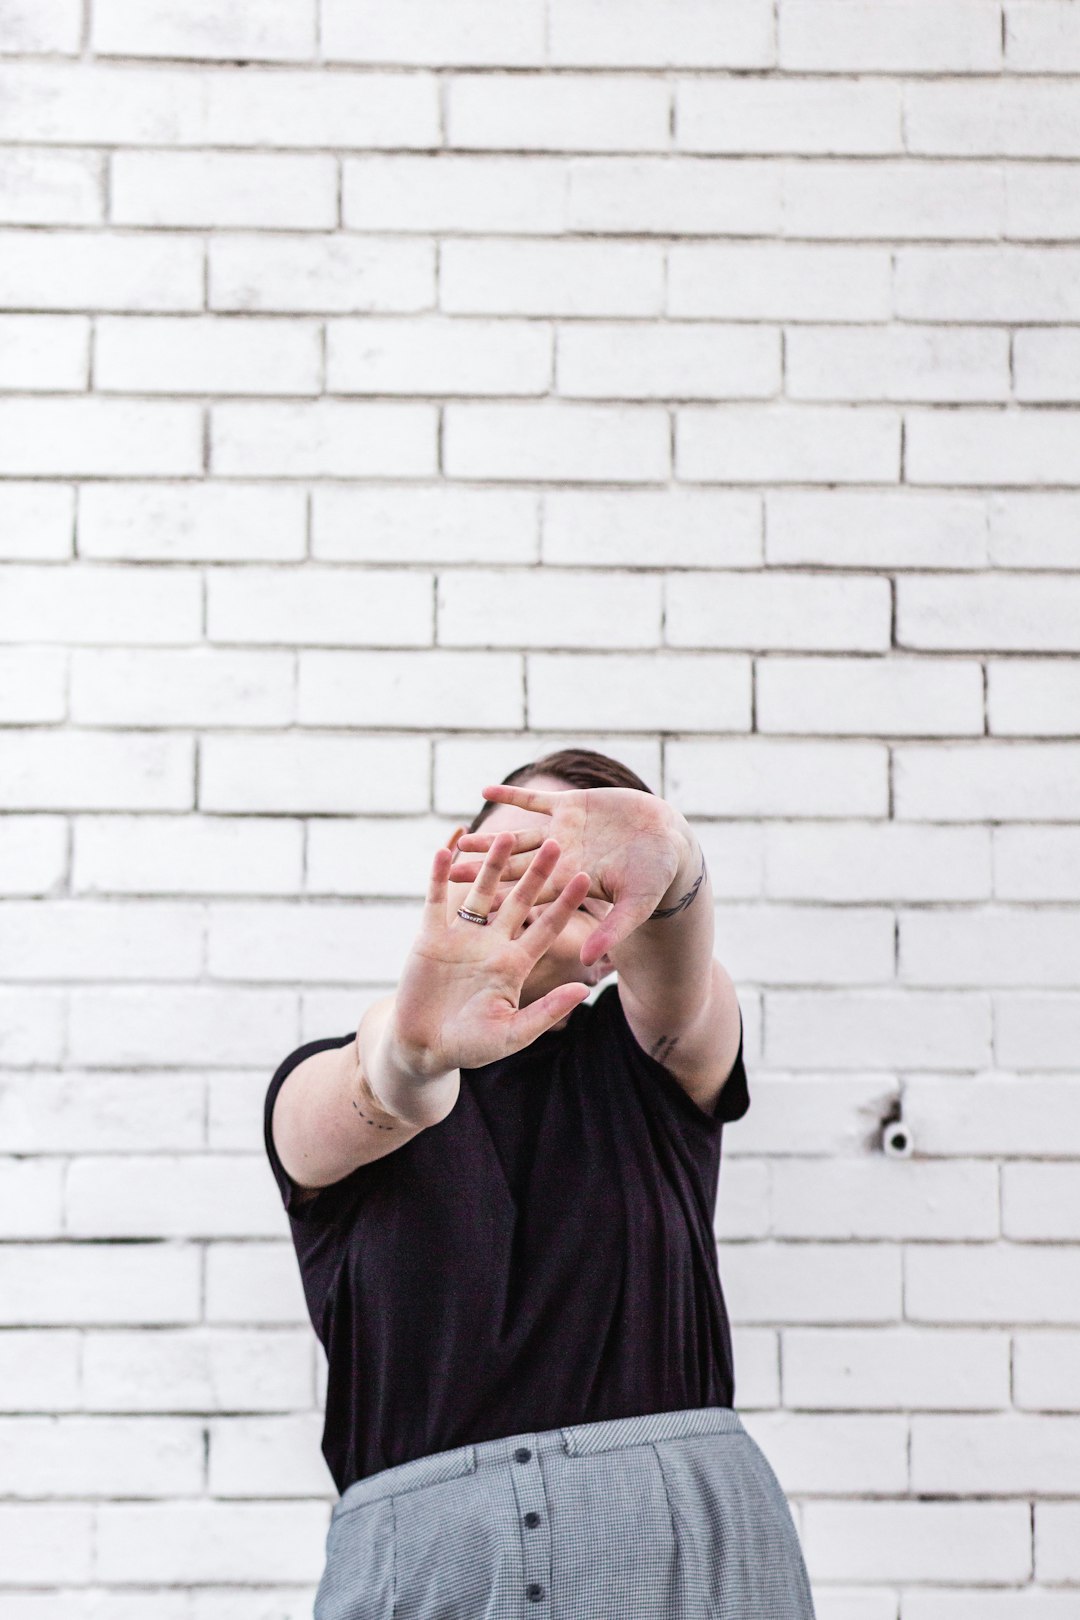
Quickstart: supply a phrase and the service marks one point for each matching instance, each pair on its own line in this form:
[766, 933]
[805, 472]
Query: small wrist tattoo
[366, 1087]
[681, 904]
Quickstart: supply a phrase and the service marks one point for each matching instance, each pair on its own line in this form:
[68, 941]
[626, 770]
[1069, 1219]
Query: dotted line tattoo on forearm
[687, 899]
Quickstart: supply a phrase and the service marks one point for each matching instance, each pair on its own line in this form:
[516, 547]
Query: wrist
[690, 873]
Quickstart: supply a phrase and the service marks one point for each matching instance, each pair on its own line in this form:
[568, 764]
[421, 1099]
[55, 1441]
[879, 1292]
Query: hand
[457, 1000]
[629, 842]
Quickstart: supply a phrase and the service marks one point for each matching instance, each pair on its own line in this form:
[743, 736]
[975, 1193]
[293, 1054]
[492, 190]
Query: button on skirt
[668, 1516]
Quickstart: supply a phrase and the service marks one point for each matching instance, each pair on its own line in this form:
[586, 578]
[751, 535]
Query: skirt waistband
[576, 1439]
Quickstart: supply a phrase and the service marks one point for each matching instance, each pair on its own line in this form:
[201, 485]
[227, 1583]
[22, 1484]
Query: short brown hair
[577, 767]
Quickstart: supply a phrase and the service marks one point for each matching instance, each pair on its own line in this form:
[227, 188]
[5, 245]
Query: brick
[890, 36]
[186, 855]
[806, 945]
[40, 1370]
[187, 1195]
[853, 528]
[83, 270]
[321, 606]
[877, 1369]
[338, 274]
[779, 281]
[670, 360]
[83, 1283]
[311, 775]
[206, 355]
[986, 782]
[1042, 36]
[879, 1029]
[1041, 1201]
[1033, 698]
[1045, 1369]
[47, 1542]
[440, 524]
[297, 108]
[648, 692]
[866, 1281]
[946, 1543]
[863, 1199]
[44, 352]
[762, 610]
[1039, 1031]
[1045, 364]
[77, 1111]
[191, 1024]
[268, 1456]
[198, 687]
[968, 1282]
[551, 278]
[276, 30]
[662, 33]
[32, 1026]
[37, 521]
[98, 437]
[224, 188]
[245, 942]
[787, 444]
[556, 443]
[82, 939]
[1042, 202]
[772, 777]
[799, 116]
[208, 1543]
[38, 187]
[95, 103]
[255, 1283]
[997, 1115]
[893, 200]
[542, 607]
[91, 605]
[861, 697]
[33, 854]
[477, 33]
[40, 25]
[192, 522]
[31, 1206]
[323, 439]
[557, 113]
[411, 689]
[682, 196]
[464, 765]
[997, 945]
[886, 861]
[98, 770]
[1033, 531]
[196, 1370]
[1003, 284]
[101, 1456]
[896, 363]
[437, 356]
[33, 684]
[455, 194]
[389, 857]
[687, 528]
[1033, 863]
[992, 447]
[992, 118]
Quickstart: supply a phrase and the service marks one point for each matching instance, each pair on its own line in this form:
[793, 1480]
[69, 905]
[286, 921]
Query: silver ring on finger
[472, 916]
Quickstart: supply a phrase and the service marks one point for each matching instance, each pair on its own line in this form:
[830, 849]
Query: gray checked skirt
[668, 1516]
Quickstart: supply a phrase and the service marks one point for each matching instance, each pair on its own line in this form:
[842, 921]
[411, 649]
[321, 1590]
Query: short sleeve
[734, 1099]
[326, 1203]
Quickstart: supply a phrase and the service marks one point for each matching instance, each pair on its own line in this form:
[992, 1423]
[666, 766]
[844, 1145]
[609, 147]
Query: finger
[626, 915]
[527, 838]
[536, 939]
[435, 900]
[531, 886]
[480, 895]
[539, 1016]
[524, 798]
[467, 870]
[454, 840]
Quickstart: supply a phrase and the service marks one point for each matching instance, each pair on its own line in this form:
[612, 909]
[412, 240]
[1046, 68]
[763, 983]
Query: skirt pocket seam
[671, 1506]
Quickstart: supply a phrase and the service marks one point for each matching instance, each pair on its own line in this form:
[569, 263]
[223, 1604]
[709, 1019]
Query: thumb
[628, 912]
[539, 1016]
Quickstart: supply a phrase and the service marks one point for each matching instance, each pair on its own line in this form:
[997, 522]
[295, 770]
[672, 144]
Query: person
[501, 1193]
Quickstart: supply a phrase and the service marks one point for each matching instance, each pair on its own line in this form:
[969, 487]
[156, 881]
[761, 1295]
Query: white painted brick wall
[388, 393]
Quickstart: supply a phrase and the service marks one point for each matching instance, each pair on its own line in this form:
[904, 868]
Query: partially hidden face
[561, 962]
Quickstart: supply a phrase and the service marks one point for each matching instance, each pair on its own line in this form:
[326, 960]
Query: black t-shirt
[542, 1256]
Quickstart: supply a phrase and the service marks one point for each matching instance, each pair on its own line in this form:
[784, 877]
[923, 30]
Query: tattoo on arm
[664, 1047]
[686, 900]
[369, 1097]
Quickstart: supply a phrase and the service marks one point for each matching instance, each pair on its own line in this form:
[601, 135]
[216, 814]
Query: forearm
[389, 1086]
[668, 960]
